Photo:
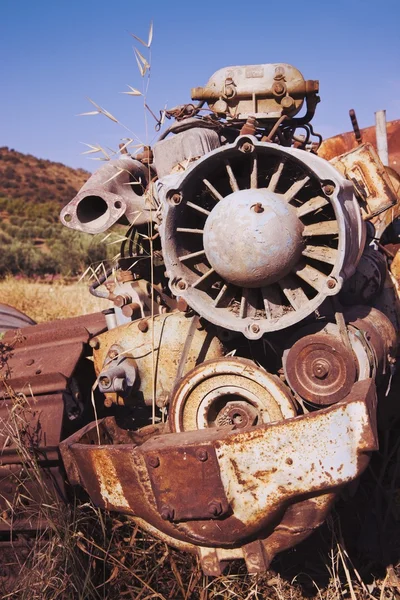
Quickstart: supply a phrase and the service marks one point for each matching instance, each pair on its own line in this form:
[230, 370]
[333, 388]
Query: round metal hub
[320, 369]
[253, 238]
[228, 392]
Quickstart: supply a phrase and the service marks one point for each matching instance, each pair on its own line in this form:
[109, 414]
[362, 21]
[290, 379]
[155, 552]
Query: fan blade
[311, 206]
[321, 253]
[323, 228]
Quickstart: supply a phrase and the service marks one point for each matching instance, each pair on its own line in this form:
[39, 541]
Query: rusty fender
[221, 489]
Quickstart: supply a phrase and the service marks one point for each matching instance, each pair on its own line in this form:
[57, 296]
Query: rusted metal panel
[365, 169]
[43, 357]
[262, 470]
[35, 424]
[344, 142]
[174, 474]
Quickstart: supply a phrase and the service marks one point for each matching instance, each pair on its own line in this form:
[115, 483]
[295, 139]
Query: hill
[37, 180]
[32, 240]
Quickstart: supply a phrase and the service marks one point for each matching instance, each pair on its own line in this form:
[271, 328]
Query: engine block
[254, 315]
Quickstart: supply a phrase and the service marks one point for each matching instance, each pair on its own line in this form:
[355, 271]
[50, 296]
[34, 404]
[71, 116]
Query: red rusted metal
[344, 142]
[42, 384]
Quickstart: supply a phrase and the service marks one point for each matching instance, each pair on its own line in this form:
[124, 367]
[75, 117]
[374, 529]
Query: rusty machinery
[254, 316]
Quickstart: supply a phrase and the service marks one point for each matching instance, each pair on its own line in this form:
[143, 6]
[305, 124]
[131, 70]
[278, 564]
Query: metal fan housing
[256, 236]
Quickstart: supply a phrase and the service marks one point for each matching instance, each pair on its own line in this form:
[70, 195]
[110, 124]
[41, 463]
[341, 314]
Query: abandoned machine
[230, 392]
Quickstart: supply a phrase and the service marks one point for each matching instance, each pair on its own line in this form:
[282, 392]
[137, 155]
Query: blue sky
[54, 53]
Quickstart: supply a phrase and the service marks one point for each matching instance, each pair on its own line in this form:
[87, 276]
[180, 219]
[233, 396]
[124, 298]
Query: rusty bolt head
[215, 508]
[320, 369]
[94, 343]
[113, 353]
[182, 285]
[257, 208]
[30, 362]
[153, 461]
[167, 513]
[143, 326]
[176, 198]
[255, 328]
[202, 455]
[121, 300]
[331, 283]
[328, 189]
[247, 147]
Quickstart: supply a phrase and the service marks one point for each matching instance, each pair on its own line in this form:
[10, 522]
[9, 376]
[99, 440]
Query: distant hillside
[37, 180]
[32, 240]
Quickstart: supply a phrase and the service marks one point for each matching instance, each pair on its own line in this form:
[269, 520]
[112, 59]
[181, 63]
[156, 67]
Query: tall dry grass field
[49, 301]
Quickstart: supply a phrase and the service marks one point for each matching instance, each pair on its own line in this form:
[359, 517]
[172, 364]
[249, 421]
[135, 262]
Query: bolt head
[320, 369]
[247, 147]
[182, 285]
[329, 189]
[202, 455]
[257, 208]
[255, 328]
[331, 283]
[167, 513]
[215, 508]
[143, 326]
[153, 461]
[176, 198]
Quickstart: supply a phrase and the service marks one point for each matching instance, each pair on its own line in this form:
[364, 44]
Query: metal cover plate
[186, 483]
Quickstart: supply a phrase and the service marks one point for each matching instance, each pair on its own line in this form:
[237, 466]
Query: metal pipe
[381, 136]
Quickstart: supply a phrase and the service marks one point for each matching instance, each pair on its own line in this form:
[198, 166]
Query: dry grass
[49, 301]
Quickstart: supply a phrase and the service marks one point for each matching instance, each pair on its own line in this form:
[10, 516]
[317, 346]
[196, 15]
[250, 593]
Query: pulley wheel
[320, 369]
[228, 392]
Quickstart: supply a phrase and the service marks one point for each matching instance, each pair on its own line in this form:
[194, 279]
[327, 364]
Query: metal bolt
[176, 198]
[143, 326]
[247, 147]
[257, 208]
[328, 189]
[331, 283]
[29, 362]
[215, 508]
[320, 369]
[113, 353]
[121, 300]
[153, 461]
[202, 455]
[94, 343]
[255, 328]
[182, 285]
[167, 513]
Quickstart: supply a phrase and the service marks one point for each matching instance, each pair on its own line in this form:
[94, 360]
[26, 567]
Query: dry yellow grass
[49, 301]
